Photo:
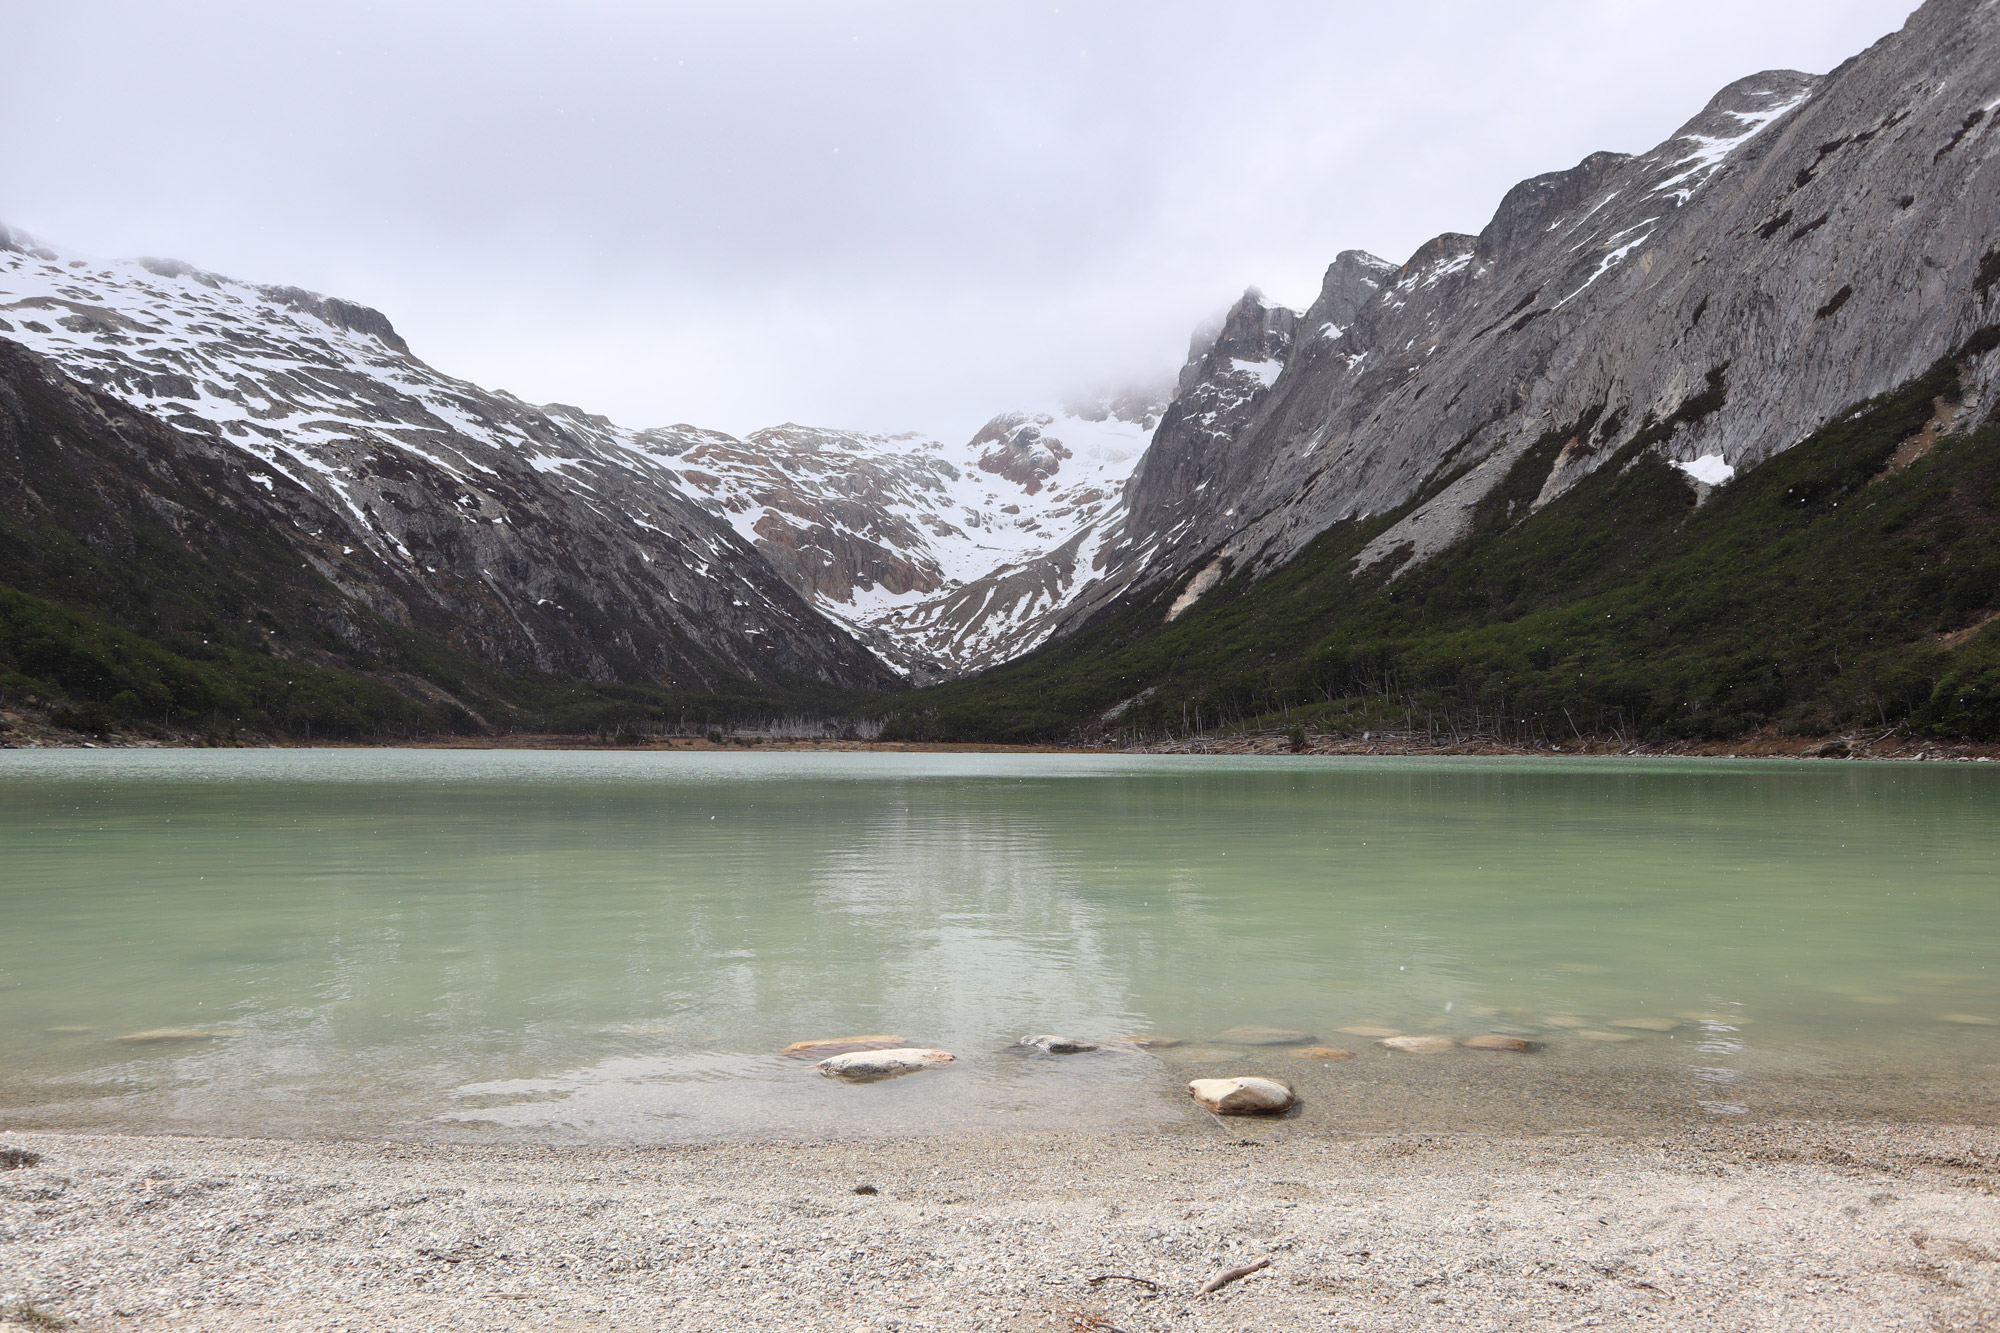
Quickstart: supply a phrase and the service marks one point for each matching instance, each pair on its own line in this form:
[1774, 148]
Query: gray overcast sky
[892, 214]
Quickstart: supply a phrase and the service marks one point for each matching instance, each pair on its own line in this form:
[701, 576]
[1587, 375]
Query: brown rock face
[1014, 446]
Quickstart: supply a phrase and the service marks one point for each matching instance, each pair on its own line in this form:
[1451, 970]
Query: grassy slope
[1807, 593]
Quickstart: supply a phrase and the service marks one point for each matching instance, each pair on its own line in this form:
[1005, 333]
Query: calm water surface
[616, 945]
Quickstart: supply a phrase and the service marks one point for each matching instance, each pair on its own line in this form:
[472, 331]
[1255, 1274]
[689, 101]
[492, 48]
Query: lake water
[553, 945]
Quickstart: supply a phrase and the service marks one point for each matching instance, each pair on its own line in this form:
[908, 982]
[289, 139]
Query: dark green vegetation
[1829, 588]
[146, 583]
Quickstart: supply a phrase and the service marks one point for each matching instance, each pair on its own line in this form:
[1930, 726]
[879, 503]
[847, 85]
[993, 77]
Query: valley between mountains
[1691, 443]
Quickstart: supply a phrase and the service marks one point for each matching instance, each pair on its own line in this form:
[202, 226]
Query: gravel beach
[1791, 1226]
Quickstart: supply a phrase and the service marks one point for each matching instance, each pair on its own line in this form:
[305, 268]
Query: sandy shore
[1787, 1227]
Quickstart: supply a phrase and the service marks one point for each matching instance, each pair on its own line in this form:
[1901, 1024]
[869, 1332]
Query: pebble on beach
[165, 1036]
[1241, 1096]
[883, 1064]
[1497, 1041]
[1434, 1044]
[1369, 1030]
[825, 1046]
[1253, 1035]
[1321, 1053]
[1644, 1024]
[1052, 1045]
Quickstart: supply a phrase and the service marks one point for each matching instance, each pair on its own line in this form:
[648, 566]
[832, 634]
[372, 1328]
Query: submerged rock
[1433, 1044]
[1970, 1020]
[863, 1065]
[1203, 1055]
[1148, 1042]
[1598, 1034]
[1566, 1021]
[1369, 1030]
[1050, 1045]
[1241, 1096]
[825, 1046]
[165, 1036]
[1321, 1053]
[1644, 1024]
[1497, 1041]
[1253, 1035]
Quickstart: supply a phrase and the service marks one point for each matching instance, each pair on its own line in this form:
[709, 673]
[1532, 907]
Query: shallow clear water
[617, 945]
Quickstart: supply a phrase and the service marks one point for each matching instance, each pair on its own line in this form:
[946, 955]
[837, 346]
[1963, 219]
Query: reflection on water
[618, 945]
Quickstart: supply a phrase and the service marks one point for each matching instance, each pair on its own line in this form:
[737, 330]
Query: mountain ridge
[1687, 314]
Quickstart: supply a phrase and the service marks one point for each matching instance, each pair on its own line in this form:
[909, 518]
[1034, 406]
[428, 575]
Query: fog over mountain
[888, 217]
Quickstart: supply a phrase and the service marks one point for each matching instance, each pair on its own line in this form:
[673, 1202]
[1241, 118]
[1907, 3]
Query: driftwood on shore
[1229, 1275]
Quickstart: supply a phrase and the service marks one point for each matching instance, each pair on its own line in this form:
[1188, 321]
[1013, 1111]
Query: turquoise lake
[617, 946]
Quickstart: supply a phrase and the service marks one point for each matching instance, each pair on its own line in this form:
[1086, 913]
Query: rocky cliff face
[536, 538]
[1803, 243]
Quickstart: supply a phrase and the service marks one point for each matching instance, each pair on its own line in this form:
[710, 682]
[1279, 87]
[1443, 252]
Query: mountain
[903, 537]
[1601, 385]
[1679, 320]
[537, 539]
[1801, 244]
[554, 540]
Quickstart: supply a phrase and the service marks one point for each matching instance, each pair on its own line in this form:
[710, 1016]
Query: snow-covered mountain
[889, 533]
[1800, 244]
[543, 538]
[879, 533]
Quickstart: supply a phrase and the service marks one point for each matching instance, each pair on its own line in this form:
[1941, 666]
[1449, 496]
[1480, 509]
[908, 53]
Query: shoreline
[1771, 1226]
[1766, 745]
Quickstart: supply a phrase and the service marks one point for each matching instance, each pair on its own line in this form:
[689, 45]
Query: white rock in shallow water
[1369, 1030]
[1429, 1045]
[1607, 1038]
[1051, 1045]
[883, 1064]
[1970, 1020]
[1241, 1096]
[1644, 1024]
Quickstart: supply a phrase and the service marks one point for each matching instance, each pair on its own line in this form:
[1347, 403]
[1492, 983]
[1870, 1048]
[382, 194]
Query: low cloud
[888, 215]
